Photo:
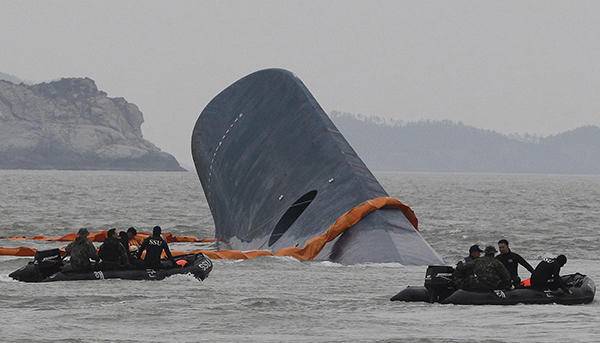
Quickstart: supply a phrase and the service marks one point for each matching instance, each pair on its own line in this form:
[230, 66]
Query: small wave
[6, 278]
[226, 262]
[382, 265]
[13, 258]
[263, 302]
[284, 259]
[394, 265]
[330, 264]
[182, 278]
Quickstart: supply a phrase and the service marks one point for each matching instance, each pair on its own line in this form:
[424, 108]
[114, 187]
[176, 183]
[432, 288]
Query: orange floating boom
[100, 236]
[310, 250]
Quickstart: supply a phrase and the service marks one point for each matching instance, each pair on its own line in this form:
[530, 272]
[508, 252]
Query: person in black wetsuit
[511, 261]
[547, 274]
[154, 246]
[112, 252]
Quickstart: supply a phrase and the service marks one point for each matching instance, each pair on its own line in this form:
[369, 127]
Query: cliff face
[70, 124]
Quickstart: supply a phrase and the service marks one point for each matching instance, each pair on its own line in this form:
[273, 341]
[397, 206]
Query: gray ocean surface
[280, 299]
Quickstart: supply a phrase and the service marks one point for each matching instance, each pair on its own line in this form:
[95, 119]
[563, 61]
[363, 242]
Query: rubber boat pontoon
[440, 288]
[48, 266]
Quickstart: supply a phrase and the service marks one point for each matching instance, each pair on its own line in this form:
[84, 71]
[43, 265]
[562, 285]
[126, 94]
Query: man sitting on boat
[511, 261]
[483, 273]
[131, 243]
[113, 253]
[133, 240]
[81, 251]
[154, 246]
[463, 273]
[474, 253]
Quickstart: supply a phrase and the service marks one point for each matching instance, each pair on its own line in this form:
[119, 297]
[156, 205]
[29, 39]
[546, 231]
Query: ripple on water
[274, 299]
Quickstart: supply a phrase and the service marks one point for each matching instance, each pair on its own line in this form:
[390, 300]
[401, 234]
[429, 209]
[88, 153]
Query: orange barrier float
[310, 250]
[314, 245]
[19, 251]
[100, 236]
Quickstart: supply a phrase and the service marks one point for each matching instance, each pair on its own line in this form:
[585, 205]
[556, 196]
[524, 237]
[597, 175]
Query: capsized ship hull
[276, 171]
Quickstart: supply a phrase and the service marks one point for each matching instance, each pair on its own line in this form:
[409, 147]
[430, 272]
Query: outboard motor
[48, 261]
[45, 263]
[202, 267]
[438, 281]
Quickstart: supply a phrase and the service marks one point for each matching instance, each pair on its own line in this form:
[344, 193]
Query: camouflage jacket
[483, 273]
[81, 250]
[463, 273]
[489, 274]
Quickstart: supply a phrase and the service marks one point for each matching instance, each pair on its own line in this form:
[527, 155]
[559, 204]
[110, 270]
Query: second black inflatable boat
[48, 266]
[440, 288]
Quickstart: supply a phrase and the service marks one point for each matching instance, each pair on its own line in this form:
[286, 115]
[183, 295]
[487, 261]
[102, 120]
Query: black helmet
[156, 231]
[561, 259]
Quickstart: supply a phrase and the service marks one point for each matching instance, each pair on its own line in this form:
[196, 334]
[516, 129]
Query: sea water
[280, 299]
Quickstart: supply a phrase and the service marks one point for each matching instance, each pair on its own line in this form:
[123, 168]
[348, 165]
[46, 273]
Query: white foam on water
[330, 264]
[6, 278]
[393, 265]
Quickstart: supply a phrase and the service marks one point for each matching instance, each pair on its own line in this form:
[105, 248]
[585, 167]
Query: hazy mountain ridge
[70, 124]
[455, 147]
[10, 78]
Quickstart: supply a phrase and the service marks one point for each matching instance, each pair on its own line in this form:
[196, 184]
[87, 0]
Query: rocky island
[70, 124]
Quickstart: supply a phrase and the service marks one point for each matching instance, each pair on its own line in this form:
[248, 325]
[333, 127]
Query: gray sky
[511, 66]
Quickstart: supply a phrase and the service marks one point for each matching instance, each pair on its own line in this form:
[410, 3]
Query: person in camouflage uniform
[463, 273]
[483, 274]
[81, 251]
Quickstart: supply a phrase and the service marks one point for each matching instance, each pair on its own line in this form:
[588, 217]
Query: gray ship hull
[276, 172]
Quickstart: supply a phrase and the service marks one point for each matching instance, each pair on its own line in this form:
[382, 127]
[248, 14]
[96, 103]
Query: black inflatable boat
[48, 266]
[440, 288]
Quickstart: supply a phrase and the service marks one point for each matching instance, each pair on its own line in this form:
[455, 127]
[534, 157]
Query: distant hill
[70, 124]
[10, 78]
[455, 147]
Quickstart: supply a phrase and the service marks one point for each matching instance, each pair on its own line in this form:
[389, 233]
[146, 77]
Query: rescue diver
[81, 251]
[112, 252]
[511, 262]
[487, 273]
[547, 275]
[154, 246]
